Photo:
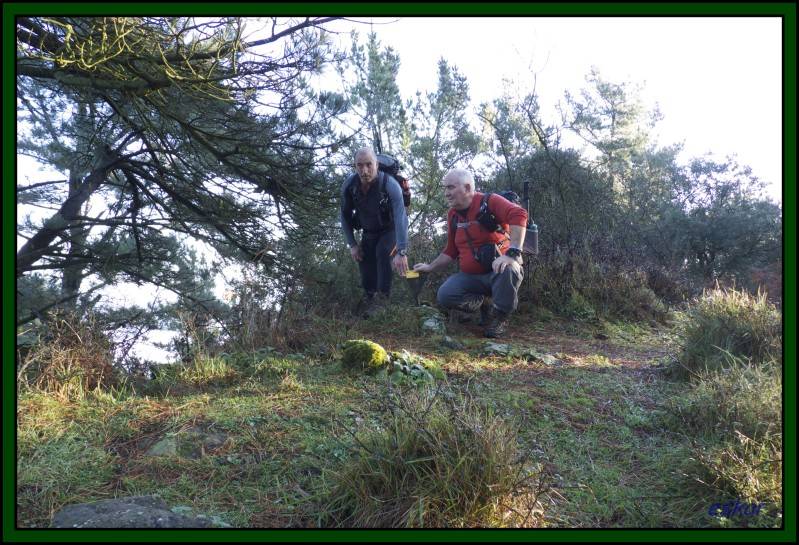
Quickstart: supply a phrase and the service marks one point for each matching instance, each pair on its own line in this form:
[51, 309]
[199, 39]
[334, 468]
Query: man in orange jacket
[490, 259]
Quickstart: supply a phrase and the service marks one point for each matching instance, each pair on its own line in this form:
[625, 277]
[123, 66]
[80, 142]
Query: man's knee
[444, 296]
[513, 273]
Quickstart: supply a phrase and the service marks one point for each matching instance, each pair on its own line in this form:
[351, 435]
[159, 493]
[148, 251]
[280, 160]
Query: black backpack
[486, 218]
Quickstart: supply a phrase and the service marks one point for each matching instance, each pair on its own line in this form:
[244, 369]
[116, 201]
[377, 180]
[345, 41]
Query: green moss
[363, 355]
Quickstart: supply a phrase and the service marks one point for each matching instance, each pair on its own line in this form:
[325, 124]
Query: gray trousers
[503, 288]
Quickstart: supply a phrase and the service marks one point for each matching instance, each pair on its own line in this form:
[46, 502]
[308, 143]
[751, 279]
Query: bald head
[366, 165]
[458, 187]
[366, 153]
[461, 176]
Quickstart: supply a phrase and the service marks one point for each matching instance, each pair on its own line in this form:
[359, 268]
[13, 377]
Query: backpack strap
[469, 240]
[352, 189]
[486, 217]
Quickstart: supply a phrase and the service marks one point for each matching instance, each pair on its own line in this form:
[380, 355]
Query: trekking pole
[531, 237]
[527, 201]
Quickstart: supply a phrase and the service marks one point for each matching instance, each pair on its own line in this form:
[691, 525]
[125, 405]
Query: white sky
[717, 80]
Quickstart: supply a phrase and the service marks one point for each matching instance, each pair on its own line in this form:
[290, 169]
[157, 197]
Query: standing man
[372, 200]
[490, 258]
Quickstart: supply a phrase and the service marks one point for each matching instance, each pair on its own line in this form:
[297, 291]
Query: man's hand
[356, 252]
[400, 263]
[501, 262]
[423, 267]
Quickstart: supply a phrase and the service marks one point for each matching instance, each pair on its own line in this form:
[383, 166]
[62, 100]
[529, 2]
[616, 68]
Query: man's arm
[400, 262]
[517, 233]
[437, 264]
[398, 212]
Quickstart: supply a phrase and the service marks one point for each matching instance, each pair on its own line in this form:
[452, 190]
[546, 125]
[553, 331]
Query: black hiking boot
[497, 323]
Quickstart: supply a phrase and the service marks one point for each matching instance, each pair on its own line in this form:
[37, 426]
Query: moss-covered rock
[405, 366]
[360, 354]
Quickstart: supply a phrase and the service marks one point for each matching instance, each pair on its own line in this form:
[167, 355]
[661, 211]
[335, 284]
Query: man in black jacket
[372, 201]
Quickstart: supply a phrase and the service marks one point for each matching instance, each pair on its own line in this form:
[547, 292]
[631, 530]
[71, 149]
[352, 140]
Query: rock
[363, 355]
[496, 349]
[452, 343]
[434, 324]
[548, 359]
[192, 443]
[131, 512]
[168, 446]
[535, 356]
[432, 321]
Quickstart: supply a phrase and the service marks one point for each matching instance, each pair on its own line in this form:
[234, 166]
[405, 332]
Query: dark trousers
[375, 266]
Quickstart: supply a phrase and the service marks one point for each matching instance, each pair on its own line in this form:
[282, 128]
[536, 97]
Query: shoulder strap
[383, 182]
[352, 187]
[469, 240]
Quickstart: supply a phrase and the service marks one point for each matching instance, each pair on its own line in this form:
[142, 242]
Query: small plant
[726, 322]
[434, 461]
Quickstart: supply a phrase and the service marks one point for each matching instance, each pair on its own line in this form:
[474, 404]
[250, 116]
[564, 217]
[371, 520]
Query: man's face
[455, 193]
[366, 166]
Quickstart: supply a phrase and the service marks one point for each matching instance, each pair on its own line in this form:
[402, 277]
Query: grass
[435, 460]
[608, 428]
[724, 324]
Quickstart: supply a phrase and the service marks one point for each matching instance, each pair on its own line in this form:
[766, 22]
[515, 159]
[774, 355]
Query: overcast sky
[717, 80]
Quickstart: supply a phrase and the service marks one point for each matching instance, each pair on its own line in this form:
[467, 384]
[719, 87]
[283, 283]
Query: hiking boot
[375, 304]
[497, 323]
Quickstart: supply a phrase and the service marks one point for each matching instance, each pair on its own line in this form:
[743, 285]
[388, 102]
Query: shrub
[582, 289]
[71, 357]
[725, 324]
[434, 462]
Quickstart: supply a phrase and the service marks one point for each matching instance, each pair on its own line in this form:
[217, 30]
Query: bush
[434, 462]
[725, 324]
[582, 289]
[71, 357]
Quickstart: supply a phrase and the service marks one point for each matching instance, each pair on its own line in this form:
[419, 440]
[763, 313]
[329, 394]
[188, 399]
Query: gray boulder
[131, 512]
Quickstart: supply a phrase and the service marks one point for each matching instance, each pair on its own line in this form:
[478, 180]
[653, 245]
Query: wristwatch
[513, 252]
[403, 253]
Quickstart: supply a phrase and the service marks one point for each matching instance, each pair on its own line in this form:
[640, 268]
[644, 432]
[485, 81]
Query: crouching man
[486, 234]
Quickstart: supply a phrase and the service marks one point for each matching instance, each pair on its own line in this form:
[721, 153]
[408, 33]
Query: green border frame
[785, 10]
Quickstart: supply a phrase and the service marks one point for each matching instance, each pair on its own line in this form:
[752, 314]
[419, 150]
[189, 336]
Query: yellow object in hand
[411, 274]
